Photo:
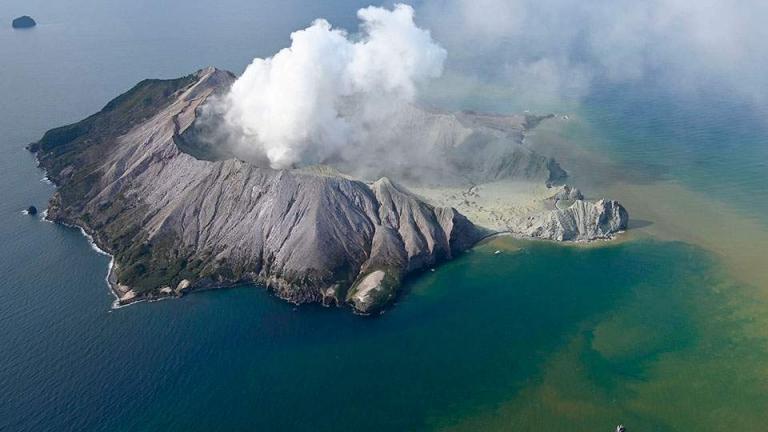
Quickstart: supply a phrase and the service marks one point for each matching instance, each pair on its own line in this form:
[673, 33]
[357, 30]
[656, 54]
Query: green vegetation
[71, 154]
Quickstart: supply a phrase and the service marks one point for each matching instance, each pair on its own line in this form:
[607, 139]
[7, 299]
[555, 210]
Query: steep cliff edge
[174, 222]
[582, 221]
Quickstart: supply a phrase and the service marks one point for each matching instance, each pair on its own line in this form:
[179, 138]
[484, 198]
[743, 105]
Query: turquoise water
[654, 333]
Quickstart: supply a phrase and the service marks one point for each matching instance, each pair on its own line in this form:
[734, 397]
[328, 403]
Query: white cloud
[694, 44]
[311, 100]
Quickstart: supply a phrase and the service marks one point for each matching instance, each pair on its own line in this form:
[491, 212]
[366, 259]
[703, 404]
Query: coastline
[122, 298]
[109, 278]
[507, 206]
[122, 301]
[726, 306]
[667, 209]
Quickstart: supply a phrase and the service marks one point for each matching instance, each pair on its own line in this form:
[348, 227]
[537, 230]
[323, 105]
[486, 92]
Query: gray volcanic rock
[23, 22]
[429, 146]
[582, 221]
[172, 220]
[371, 291]
[567, 193]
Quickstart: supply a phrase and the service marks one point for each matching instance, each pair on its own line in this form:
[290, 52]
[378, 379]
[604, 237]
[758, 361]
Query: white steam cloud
[325, 92]
[557, 50]
[347, 99]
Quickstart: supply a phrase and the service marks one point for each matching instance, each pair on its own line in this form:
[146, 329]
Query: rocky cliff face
[582, 221]
[175, 222]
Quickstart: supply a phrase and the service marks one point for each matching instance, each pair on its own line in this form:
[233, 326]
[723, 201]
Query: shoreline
[110, 267]
[617, 238]
[120, 302]
[507, 206]
[671, 210]
[110, 277]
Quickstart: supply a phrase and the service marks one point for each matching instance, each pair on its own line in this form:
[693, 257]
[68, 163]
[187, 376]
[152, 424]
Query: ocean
[663, 330]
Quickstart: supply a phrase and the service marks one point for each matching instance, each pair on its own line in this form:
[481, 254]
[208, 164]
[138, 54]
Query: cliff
[582, 221]
[174, 222]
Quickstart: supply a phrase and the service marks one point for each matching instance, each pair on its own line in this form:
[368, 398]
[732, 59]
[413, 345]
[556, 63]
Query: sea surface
[664, 330]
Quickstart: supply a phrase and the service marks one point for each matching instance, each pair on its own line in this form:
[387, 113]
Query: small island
[176, 217]
[23, 22]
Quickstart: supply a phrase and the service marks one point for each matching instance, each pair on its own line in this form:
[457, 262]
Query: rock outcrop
[370, 291]
[567, 193]
[582, 221]
[173, 220]
[23, 22]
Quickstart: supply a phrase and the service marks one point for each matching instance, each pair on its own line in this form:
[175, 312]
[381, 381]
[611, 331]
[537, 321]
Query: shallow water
[663, 331]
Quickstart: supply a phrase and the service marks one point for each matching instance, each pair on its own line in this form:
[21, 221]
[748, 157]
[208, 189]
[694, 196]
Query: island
[176, 216]
[23, 22]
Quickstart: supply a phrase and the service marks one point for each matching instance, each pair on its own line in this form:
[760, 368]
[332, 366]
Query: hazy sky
[559, 48]
[293, 107]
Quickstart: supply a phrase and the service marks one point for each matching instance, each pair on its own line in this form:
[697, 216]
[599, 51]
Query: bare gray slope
[425, 146]
[412, 144]
[173, 221]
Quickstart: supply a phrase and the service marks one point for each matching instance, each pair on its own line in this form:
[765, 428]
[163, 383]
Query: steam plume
[554, 52]
[329, 89]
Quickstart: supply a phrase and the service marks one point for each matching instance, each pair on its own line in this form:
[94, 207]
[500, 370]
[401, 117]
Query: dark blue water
[649, 332]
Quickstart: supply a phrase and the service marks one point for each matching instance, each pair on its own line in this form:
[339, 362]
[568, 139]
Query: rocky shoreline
[125, 296]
